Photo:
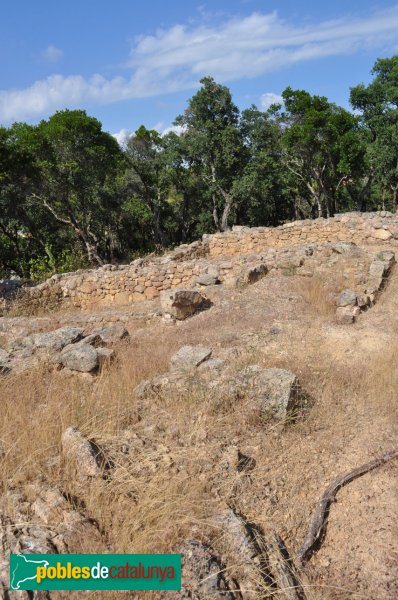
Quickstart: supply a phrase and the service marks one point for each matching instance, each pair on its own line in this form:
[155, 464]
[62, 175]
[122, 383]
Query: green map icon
[24, 570]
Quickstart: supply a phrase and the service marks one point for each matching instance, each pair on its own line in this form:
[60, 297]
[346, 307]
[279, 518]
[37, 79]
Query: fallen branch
[317, 526]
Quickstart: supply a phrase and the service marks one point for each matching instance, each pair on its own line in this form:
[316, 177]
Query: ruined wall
[359, 228]
[216, 254]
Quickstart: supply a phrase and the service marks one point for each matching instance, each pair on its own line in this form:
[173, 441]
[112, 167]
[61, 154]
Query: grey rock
[94, 339]
[211, 365]
[343, 247]
[379, 269]
[207, 279]
[275, 392]
[347, 298]
[189, 357]
[143, 389]
[239, 537]
[246, 276]
[19, 345]
[205, 576]
[386, 256]
[4, 362]
[171, 380]
[4, 357]
[345, 315]
[79, 357]
[78, 450]
[112, 333]
[182, 303]
[105, 356]
[57, 339]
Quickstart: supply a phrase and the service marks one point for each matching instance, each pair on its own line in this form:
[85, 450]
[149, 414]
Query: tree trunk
[363, 194]
[228, 203]
[395, 197]
[215, 213]
[91, 249]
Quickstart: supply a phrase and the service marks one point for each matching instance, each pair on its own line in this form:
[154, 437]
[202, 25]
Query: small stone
[4, 357]
[207, 279]
[76, 448]
[382, 234]
[344, 315]
[347, 298]
[189, 357]
[113, 333]
[105, 356]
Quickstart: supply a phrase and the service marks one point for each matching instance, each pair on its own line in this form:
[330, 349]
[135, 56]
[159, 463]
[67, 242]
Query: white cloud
[52, 53]
[270, 98]
[176, 58]
[160, 128]
[177, 129]
[122, 137]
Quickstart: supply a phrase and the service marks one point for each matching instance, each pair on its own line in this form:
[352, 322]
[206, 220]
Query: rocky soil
[211, 420]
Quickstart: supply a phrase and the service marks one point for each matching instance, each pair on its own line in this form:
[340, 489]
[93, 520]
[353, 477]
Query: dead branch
[318, 521]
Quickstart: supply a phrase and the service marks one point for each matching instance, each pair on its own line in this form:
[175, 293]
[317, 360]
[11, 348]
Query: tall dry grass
[318, 293]
[162, 490]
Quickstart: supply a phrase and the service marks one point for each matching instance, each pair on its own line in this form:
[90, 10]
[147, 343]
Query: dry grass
[318, 293]
[157, 494]
[27, 304]
[322, 289]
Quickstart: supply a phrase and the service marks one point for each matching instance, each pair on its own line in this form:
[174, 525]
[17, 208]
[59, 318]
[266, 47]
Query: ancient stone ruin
[243, 253]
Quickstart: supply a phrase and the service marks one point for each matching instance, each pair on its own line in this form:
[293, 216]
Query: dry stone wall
[359, 228]
[220, 254]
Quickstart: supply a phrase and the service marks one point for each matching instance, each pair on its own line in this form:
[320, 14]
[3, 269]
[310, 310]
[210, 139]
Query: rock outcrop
[270, 393]
[67, 347]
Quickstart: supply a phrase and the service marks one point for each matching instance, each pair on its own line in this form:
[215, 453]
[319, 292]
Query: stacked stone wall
[359, 228]
[216, 254]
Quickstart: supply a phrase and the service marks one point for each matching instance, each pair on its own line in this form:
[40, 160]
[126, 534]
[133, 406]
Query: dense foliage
[71, 197]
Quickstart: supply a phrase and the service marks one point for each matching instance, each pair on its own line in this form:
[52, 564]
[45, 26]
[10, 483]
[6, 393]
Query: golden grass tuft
[317, 292]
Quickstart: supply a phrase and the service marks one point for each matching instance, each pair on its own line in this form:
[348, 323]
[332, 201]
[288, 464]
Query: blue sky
[129, 62]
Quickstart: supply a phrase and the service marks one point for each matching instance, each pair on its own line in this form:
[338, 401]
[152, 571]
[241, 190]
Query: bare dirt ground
[350, 374]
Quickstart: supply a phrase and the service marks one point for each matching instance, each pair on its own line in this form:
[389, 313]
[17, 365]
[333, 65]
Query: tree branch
[317, 526]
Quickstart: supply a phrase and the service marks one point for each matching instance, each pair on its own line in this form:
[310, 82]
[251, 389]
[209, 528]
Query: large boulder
[57, 339]
[182, 303]
[79, 357]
